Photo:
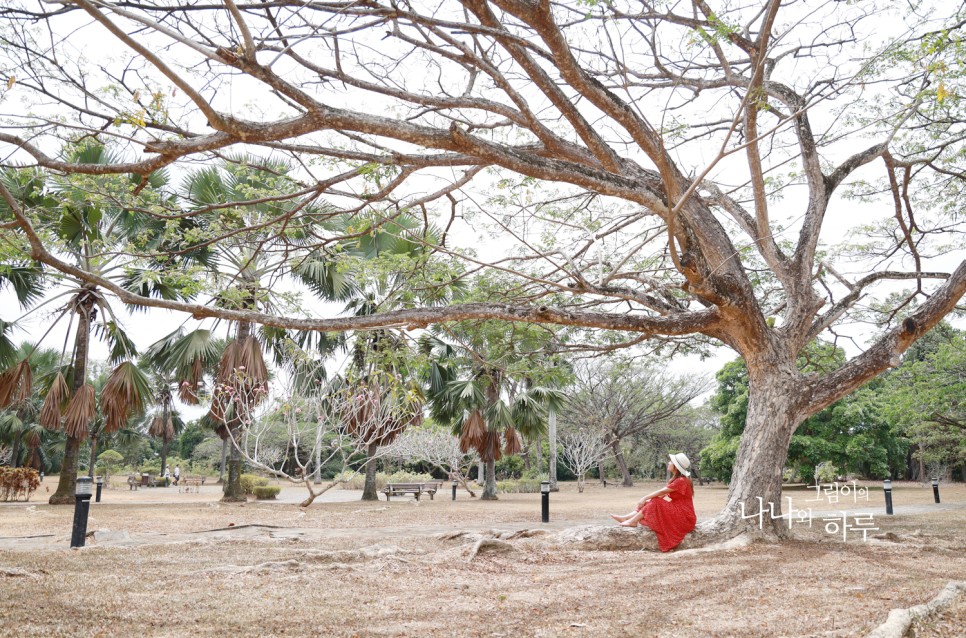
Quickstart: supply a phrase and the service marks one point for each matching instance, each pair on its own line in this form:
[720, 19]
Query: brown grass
[247, 583]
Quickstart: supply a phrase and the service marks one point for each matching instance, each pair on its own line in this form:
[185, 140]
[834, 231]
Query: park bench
[190, 483]
[133, 482]
[416, 489]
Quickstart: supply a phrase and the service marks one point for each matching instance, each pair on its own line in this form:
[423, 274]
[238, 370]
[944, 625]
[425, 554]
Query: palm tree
[88, 222]
[19, 426]
[480, 389]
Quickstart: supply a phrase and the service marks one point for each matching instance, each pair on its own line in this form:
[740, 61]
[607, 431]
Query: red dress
[671, 520]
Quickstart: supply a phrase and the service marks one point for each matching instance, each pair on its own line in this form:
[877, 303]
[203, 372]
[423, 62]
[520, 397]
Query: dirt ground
[185, 565]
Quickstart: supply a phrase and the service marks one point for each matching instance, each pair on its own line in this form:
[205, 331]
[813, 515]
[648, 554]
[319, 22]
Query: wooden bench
[188, 484]
[416, 489]
[133, 482]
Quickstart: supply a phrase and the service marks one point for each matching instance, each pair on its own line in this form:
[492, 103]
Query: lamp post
[935, 489]
[887, 490]
[545, 502]
[454, 489]
[100, 484]
[82, 506]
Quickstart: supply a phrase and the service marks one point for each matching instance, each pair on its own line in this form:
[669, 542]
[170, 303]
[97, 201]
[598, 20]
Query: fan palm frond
[55, 403]
[126, 392]
[81, 409]
[16, 384]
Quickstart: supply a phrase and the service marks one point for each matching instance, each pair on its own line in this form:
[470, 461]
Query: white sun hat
[681, 462]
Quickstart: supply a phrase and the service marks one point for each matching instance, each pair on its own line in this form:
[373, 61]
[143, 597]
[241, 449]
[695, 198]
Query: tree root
[337, 558]
[490, 545]
[900, 620]
[13, 572]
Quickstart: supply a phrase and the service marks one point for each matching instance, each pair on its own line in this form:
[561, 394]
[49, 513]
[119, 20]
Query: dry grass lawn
[275, 570]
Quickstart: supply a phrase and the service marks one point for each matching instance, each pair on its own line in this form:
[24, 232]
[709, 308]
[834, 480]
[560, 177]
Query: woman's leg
[633, 520]
[620, 518]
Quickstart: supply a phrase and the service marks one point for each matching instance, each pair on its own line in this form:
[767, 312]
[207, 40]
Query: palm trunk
[552, 443]
[93, 459]
[369, 492]
[224, 456]
[164, 452]
[233, 490]
[489, 486]
[67, 485]
[15, 452]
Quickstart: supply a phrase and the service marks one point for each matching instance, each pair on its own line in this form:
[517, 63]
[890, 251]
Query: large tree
[667, 170]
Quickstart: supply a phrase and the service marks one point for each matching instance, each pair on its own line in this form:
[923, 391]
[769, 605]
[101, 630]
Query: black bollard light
[545, 502]
[100, 483]
[935, 489]
[887, 489]
[82, 506]
[454, 489]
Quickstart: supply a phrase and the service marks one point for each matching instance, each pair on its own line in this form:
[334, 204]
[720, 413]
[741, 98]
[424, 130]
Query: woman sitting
[673, 517]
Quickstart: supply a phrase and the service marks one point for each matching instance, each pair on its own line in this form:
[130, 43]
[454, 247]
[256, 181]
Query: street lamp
[887, 490]
[100, 484]
[454, 489]
[82, 506]
[935, 489]
[545, 501]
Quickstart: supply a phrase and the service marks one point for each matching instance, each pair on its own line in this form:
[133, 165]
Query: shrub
[250, 481]
[522, 486]
[826, 472]
[17, 482]
[358, 481]
[266, 492]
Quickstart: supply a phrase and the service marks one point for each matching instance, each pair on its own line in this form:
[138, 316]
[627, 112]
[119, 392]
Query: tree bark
[615, 445]
[756, 483]
[224, 456]
[93, 459]
[233, 492]
[164, 453]
[552, 443]
[369, 492]
[67, 483]
[489, 478]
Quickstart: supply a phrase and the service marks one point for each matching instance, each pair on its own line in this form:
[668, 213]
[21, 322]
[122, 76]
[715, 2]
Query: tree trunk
[580, 483]
[489, 486]
[15, 452]
[369, 492]
[93, 459]
[233, 488]
[233, 492]
[552, 443]
[615, 445]
[602, 473]
[224, 456]
[481, 473]
[164, 454]
[67, 484]
[756, 483]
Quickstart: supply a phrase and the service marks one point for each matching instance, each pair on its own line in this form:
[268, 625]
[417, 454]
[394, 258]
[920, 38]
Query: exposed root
[7, 572]
[372, 552]
[738, 542]
[610, 538]
[489, 545]
[900, 620]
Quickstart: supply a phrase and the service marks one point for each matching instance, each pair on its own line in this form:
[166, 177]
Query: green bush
[522, 486]
[358, 481]
[266, 492]
[250, 481]
[826, 472]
